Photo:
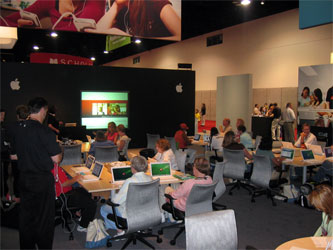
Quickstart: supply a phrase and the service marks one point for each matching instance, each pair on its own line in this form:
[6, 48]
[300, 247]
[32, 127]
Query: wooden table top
[312, 243]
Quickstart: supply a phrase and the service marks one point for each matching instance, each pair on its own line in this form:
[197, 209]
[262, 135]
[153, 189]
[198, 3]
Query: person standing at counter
[256, 110]
[288, 126]
[203, 114]
[276, 114]
[181, 137]
[306, 137]
[52, 121]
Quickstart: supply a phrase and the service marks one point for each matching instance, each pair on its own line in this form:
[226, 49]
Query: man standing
[288, 126]
[37, 150]
[276, 114]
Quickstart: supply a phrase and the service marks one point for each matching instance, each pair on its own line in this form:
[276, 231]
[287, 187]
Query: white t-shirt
[123, 138]
[167, 156]
[217, 143]
[310, 139]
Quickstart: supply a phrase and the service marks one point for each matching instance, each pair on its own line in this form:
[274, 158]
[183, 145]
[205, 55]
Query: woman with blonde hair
[322, 199]
[111, 134]
[164, 153]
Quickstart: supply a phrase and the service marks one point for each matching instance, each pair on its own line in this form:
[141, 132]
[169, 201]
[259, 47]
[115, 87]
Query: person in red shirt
[181, 137]
[75, 197]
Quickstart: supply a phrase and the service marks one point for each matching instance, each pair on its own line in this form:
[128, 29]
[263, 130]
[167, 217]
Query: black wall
[154, 104]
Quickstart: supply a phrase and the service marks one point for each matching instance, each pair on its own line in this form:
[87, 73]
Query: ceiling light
[137, 41]
[106, 52]
[262, 2]
[35, 47]
[8, 37]
[245, 2]
[92, 58]
[54, 34]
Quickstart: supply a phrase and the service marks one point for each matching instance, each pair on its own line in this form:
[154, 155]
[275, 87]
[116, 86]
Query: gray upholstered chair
[261, 175]
[181, 159]
[172, 142]
[190, 155]
[212, 230]
[125, 149]
[72, 155]
[143, 213]
[151, 141]
[106, 154]
[198, 201]
[220, 185]
[235, 167]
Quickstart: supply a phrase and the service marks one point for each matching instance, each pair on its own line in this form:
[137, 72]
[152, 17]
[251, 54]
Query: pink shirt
[184, 190]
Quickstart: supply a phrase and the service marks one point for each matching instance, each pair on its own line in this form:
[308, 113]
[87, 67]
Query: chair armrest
[115, 216]
[169, 197]
[110, 203]
[173, 212]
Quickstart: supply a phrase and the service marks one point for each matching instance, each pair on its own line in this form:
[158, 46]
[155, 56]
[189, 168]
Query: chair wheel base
[253, 200]
[71, 236]
[172, 242]
[159, 240]
[160, 232]
[230, 193]
[285, 200]
[109, 243]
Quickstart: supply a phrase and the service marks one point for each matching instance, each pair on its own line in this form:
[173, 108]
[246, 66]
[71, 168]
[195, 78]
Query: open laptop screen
[328, 152]
[160, 169]
[90, 160]
[97, 169]
[206, 138]
[307, 155]
[288, 153]
[197, 137]
[121, 173]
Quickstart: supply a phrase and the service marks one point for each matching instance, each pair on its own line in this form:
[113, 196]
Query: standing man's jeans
[276, 129]
[288, 130]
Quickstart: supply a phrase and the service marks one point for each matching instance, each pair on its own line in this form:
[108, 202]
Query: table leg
[304, 174]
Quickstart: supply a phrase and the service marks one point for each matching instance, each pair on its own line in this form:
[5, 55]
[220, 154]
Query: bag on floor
[305, 190]
[9, 214]
[291, 192]
[96, 234]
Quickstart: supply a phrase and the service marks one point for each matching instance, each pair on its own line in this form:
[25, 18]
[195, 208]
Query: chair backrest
[72, 155]
[218, 178]
[200, 199]
[181, 159]
[151, 141]
[190, 155]
[262, 171]
[172, 142]
[125, 148]
[212, 230]
[142, 205]
[106, 153]
[234, 164]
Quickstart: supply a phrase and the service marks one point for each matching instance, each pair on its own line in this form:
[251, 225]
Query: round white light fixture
[137, 41]
[262, 2]
[54, 34]
[106, 52]
[35, 47]
[245, 2]
[92, 58]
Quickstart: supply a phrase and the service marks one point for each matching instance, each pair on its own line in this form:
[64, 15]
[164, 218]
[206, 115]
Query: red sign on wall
[53, 58]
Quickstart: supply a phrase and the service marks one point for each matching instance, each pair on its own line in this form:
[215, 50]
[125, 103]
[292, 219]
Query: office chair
[125, 149]
[190, 155]
[212, 230]
[172, 142]
[235, 167]
[220, 185]
[106, 154]
[261, 176]
[143, 212]
[181, 159]
[198, 201]
[72, 154]
[151, 141]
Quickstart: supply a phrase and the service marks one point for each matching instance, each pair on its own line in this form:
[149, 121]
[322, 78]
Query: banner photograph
[156, 19]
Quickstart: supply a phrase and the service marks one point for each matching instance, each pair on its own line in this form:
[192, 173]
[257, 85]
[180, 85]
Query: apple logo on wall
[179, 88]
[15, 85]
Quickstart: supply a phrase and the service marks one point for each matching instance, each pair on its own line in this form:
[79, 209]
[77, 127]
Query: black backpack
[304, 192]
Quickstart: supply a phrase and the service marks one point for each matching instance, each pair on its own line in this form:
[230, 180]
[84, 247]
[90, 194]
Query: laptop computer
[95, 174]
[287, 144]
[84, 167]
[328, 153]
[121, 174]
[160, 169]
[196, 137]
[206, 138]
[288, 153]
[316, 149]
[309, 157]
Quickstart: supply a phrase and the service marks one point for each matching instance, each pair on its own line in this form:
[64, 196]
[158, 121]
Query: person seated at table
[229, 142]
[324, 171]
[226, 126]
[139, 166]
[111, 134]
[201, 170]
[74, 197]
[244, 137]
[165, 153]
[322, 199]
[239, 122]
[215, 139]
[123, 138]
[306, 137]
[100, 141]
[181, 137]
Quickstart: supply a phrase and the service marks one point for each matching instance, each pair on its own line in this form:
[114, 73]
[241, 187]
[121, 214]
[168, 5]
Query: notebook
[197, 137]
[206, 138]
[316, 149]
[288, 153]
[287, 144]
[160, 169]
[120, 174]
[308, 156]
[84, 167]
[328, 153]
[95, 174]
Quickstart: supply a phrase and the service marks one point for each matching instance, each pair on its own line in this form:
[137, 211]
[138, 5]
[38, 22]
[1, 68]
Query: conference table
[312, 243]
[103, 186]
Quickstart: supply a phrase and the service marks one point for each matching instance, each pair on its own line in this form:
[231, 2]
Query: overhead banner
[115, 42]
[156, 19]
[53, 58]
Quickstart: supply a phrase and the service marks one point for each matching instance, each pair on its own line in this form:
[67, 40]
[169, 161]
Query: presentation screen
[100, 108]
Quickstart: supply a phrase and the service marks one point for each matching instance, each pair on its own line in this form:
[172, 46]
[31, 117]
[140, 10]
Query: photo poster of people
[315, 95]
[154, 19]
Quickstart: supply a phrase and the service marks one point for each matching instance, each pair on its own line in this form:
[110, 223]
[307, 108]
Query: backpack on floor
[304, 191]
[96, 234]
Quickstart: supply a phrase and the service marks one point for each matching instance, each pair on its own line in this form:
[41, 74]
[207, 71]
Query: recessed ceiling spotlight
[106, 52]
[54, 34]
[35, 47]
[245, 2]
[137, 41]
[22, 62]
[92, 58]
[262, 2]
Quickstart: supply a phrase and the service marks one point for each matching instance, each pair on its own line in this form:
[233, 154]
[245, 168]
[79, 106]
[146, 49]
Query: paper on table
[322, 242]
[298, 248]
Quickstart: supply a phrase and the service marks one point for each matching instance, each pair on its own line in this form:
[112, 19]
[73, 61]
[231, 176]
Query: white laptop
[84, 167]
[160, 169]
[316, 149]
[206, 138]
[196, 137]
[328, 153]
[121, 174]
[309, 157]
[287, 144]
[95, 174]
[288, 154]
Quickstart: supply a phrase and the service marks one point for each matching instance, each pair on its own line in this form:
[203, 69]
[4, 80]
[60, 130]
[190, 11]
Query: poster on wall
[315, 95]
[156, 19]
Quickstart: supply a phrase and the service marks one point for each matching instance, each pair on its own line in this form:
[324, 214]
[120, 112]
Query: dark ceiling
[198, 17]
